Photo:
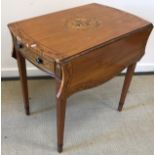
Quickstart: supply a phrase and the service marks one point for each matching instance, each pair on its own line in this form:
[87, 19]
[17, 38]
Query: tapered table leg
[23, 79]
[126, 85]
[61, 108]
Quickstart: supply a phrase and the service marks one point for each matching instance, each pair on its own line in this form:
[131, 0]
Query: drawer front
[38, 60]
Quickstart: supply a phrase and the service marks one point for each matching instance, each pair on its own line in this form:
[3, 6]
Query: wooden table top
[67, 34]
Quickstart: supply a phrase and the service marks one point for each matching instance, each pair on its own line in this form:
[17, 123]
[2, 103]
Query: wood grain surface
[59, 36]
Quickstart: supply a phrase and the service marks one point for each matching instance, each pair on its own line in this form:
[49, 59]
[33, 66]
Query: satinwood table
[81, 48]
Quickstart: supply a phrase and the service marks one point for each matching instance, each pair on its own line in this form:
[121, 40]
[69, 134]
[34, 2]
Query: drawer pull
[19, 45]
[39, 60]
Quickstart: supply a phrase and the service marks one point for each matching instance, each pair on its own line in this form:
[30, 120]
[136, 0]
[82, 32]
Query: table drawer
[38, 60]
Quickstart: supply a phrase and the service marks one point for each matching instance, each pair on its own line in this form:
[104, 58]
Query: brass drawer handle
[39, 60]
